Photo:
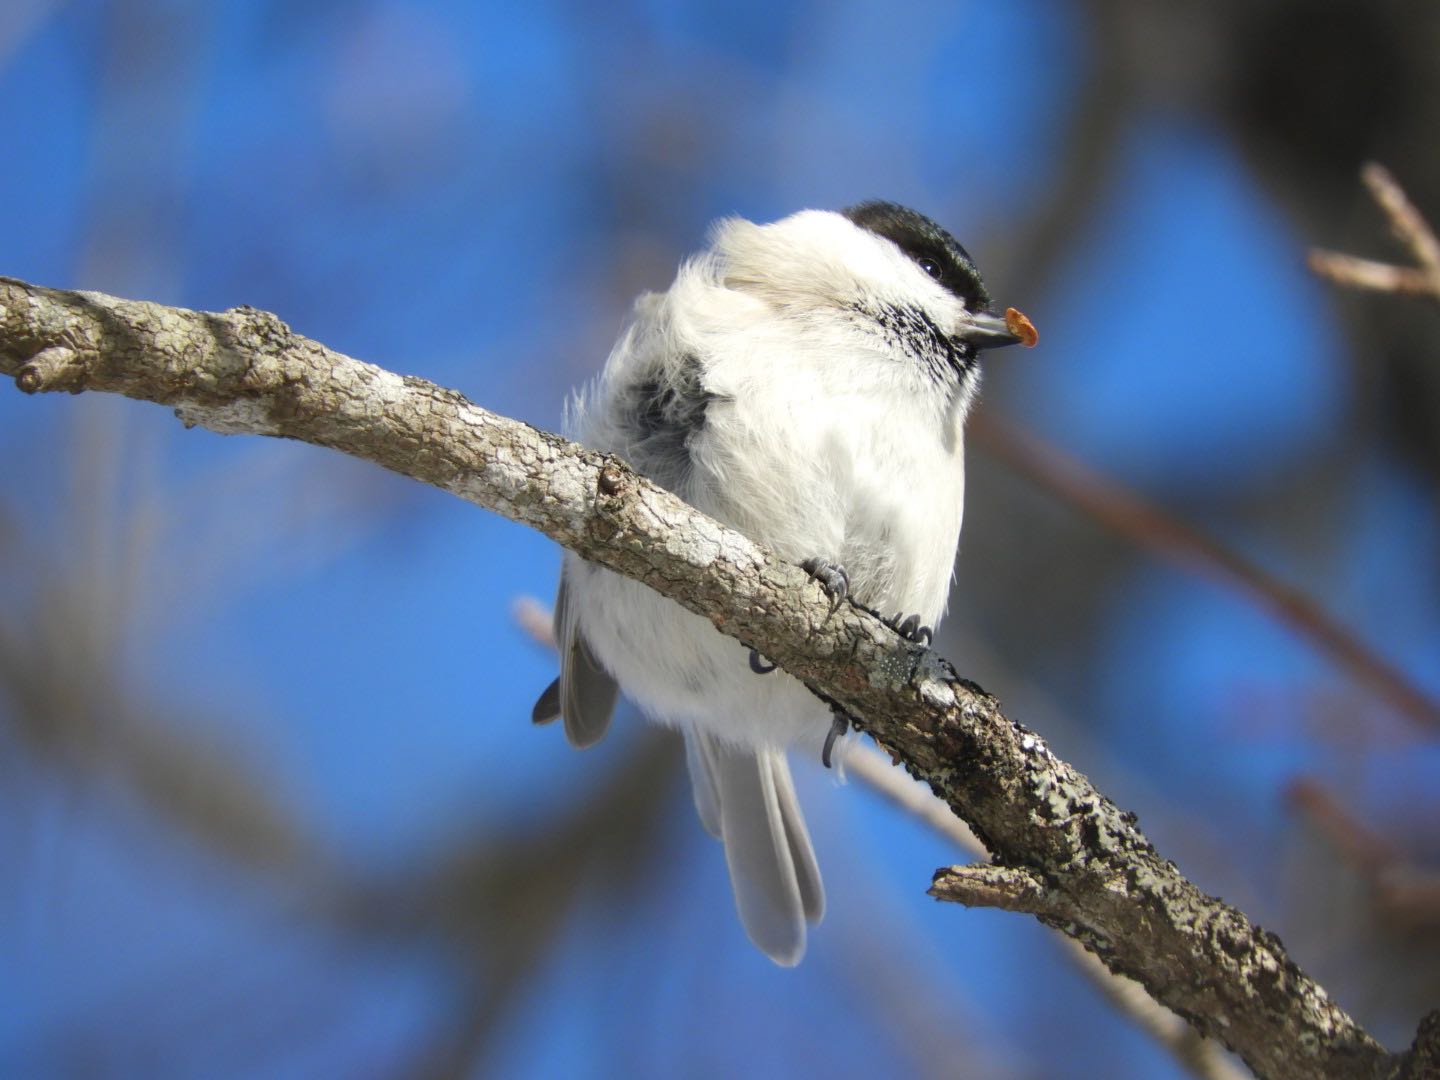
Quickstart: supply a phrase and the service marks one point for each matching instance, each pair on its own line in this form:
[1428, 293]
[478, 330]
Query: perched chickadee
[805, 382]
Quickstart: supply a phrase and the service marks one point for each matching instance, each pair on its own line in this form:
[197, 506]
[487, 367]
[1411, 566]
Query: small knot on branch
[262, 328]
[58, 367]
[612, 478]
[612, 486]
[988, 885]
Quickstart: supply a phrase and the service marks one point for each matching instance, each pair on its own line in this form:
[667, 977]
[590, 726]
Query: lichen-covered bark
[1061, 850]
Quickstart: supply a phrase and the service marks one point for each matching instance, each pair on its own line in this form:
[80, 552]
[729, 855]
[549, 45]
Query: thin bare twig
[1128, 514]
[1409, 227]
[1408, 223]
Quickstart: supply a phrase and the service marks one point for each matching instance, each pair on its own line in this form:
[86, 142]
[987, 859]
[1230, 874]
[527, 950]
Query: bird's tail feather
[746, 797]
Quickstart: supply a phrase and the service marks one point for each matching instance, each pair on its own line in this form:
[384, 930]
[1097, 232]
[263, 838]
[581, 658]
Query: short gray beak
[986, 330]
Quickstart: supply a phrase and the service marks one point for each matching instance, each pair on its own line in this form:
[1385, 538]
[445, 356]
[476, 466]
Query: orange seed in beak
[1019, 325]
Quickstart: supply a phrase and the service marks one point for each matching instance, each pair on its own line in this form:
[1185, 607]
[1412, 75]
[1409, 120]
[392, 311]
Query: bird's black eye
[930, 266]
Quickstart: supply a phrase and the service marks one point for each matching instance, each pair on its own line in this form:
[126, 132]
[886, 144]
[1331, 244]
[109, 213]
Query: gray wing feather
[772, 866]
[585, 694]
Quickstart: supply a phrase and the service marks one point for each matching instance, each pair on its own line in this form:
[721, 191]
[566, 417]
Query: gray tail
[746, 798]
[584, 694]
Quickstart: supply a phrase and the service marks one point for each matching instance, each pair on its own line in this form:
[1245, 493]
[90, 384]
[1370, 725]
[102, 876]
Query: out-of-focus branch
[1099, 111]
[534, 618]
[245, 372]
[1409, 227]
[1404, 895]
[1128, 514]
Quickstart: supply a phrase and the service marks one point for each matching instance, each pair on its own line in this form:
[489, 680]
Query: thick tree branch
[1097, 877]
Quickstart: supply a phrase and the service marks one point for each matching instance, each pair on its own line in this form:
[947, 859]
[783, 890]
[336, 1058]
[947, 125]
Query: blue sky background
[292, 697]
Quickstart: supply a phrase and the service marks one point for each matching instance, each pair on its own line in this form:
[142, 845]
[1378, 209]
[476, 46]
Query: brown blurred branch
[1126, 513]
[1405, 895]
[245, 372]
[1409, 227]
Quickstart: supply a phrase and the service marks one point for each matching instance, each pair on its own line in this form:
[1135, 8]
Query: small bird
[805, 382]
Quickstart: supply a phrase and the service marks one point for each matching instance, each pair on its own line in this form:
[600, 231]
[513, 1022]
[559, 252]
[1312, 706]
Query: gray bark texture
[1061, 851]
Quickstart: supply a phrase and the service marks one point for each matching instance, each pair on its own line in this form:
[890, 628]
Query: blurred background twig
[1409, 227]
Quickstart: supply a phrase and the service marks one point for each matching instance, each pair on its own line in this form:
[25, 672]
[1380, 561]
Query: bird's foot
[910, 629]
[832, 579]
[907, 627]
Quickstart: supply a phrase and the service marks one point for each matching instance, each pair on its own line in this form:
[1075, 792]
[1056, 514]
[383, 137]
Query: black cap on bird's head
[940, 256]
